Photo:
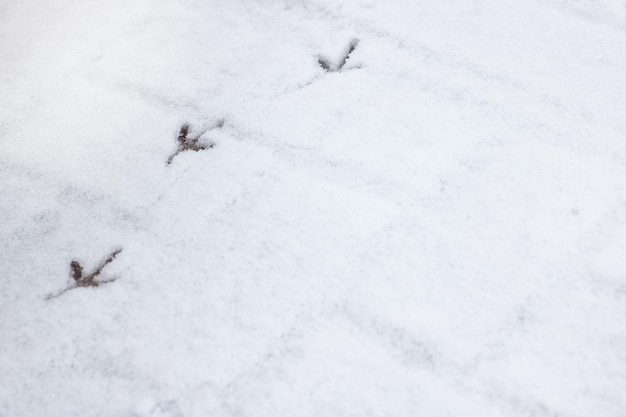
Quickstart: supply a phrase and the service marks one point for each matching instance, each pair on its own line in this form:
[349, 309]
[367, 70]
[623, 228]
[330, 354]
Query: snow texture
[376, 208]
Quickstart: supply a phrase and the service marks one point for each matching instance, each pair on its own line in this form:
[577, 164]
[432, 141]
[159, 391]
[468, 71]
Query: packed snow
[372, 208]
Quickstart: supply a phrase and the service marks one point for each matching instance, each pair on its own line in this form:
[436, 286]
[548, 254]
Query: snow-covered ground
[437, 228]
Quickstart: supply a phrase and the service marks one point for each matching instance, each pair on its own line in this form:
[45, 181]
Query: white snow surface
[438, 229]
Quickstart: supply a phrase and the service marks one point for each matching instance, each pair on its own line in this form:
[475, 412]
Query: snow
[438, 228]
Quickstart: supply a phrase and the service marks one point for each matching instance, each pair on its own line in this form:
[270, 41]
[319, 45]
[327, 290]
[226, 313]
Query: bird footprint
[331, 67]
[89, 280]
[186, 143]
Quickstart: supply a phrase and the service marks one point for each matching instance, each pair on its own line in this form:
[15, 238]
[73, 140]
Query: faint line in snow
[155, 97]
